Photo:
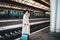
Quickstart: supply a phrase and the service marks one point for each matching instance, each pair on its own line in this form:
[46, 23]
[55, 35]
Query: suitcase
[25, 37]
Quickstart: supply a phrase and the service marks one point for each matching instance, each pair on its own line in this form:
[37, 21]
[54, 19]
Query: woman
[26, 25]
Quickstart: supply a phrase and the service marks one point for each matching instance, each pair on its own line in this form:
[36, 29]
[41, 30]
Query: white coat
[26, 25]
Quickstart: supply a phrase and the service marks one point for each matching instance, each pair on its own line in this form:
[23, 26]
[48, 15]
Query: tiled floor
[45, 35]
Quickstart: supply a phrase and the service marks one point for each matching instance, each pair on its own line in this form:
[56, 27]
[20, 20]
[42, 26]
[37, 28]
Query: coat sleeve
[25, 20]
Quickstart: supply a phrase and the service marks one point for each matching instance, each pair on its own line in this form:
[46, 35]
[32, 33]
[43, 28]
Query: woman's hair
[25, 11]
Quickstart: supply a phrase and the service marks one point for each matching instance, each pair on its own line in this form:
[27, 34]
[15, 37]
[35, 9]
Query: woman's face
[27, 13]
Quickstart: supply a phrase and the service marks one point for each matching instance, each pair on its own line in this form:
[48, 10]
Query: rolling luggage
[25, 37]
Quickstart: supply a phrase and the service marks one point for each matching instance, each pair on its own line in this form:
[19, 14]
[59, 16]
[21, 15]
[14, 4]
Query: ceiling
[48, 1]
